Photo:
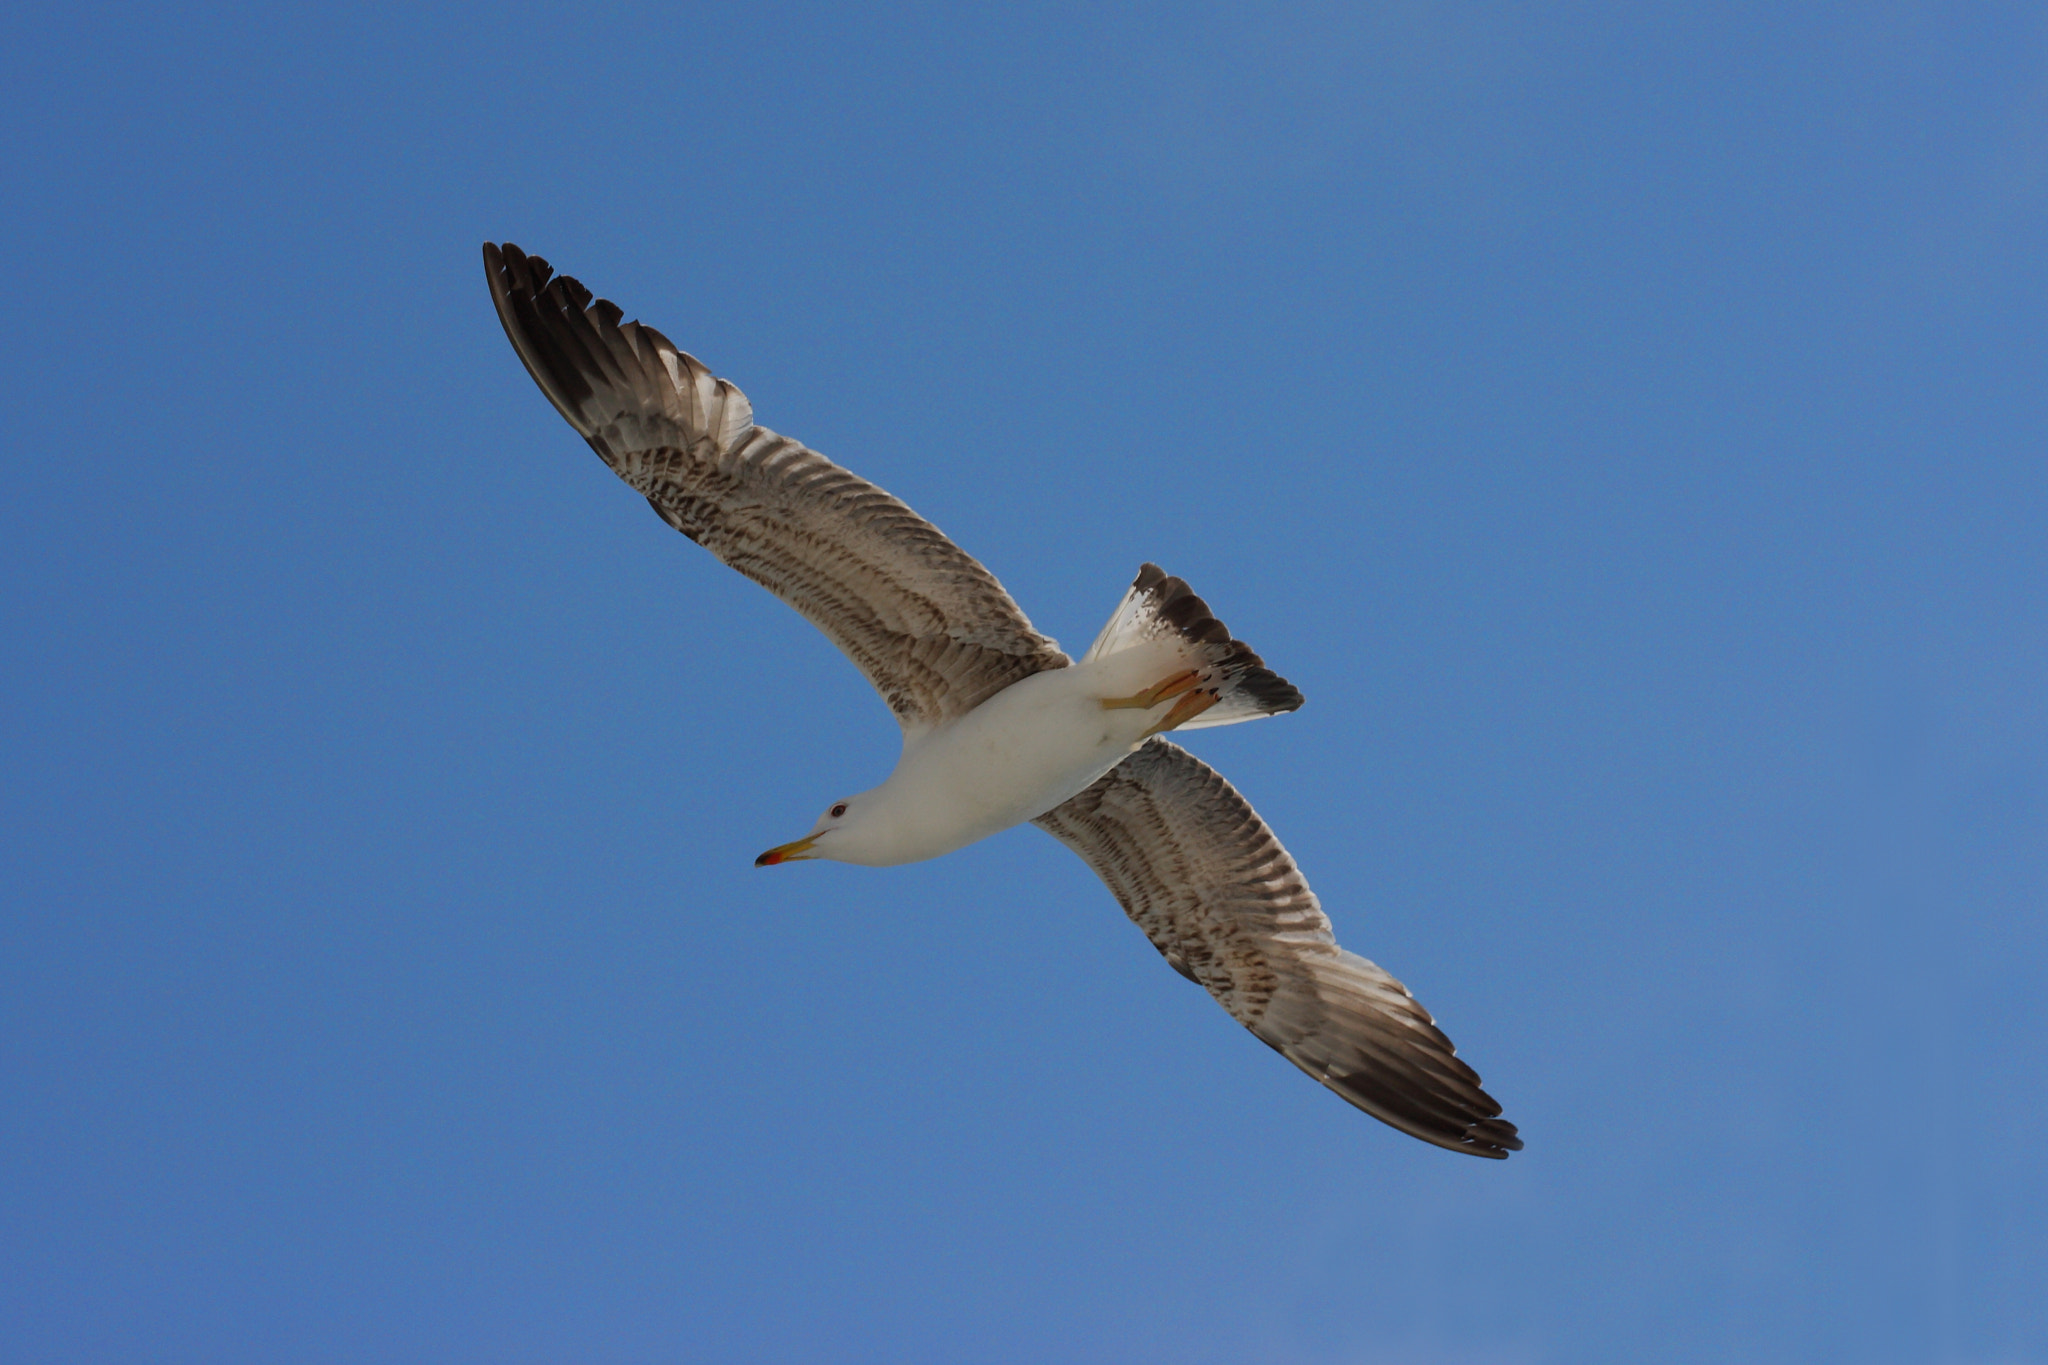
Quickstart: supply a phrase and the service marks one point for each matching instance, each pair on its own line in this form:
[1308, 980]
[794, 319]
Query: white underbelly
[1016, 756]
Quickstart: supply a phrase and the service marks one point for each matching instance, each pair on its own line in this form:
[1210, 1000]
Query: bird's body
[1030, 747]
[999, 725]
[1013, 758]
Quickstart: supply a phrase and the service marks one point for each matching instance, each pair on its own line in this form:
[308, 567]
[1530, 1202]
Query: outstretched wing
[1198, 870]
[929, 626]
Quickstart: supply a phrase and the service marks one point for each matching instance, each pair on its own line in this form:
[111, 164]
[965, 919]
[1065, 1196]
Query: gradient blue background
[1626, 424]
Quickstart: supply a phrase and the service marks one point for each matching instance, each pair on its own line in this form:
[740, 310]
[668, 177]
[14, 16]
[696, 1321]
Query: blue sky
[1625, 424]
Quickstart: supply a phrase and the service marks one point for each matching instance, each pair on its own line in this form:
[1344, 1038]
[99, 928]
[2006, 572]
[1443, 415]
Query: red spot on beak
[787, 853]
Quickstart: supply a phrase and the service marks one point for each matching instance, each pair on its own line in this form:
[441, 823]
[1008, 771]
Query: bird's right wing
[930, 627]
[1199, 871]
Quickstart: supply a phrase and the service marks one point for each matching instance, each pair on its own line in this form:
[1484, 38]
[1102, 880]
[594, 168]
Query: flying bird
[999, 726]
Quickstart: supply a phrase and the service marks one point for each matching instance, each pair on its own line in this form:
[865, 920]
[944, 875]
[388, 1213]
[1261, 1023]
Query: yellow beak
[787, 853]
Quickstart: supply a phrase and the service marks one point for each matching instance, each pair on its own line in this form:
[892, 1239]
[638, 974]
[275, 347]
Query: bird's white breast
[1014, 757]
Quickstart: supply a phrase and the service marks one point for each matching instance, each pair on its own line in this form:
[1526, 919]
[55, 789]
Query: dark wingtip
[1468, 1123]
[532, 307]
[1500, 1133]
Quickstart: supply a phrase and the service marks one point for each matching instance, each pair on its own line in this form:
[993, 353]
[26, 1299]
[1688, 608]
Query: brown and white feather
[1206, 880]
[928, 625]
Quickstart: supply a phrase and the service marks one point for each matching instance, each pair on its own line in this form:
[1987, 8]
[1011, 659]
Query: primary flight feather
[1000, 726]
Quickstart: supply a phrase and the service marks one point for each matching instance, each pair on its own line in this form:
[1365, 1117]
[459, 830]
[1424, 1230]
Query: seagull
[999, 725]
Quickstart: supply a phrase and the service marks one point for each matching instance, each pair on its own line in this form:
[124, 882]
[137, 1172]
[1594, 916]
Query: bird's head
[837, 836]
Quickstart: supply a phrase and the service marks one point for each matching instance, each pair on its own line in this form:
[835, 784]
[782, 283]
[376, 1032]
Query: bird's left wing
[930, 627]
[1199, 871]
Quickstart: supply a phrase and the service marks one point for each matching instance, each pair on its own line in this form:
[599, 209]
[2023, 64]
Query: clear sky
[1625, 423]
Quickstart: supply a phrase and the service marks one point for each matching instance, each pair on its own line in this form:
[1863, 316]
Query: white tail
[1162, 609]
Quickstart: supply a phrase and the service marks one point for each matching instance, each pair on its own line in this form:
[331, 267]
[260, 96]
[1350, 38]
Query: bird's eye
[839, 810]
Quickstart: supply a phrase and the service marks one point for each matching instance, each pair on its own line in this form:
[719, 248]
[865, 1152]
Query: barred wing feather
[928, 625]
[1197, 869]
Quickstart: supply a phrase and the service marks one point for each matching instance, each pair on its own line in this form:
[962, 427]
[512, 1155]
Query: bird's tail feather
[1160, 608]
